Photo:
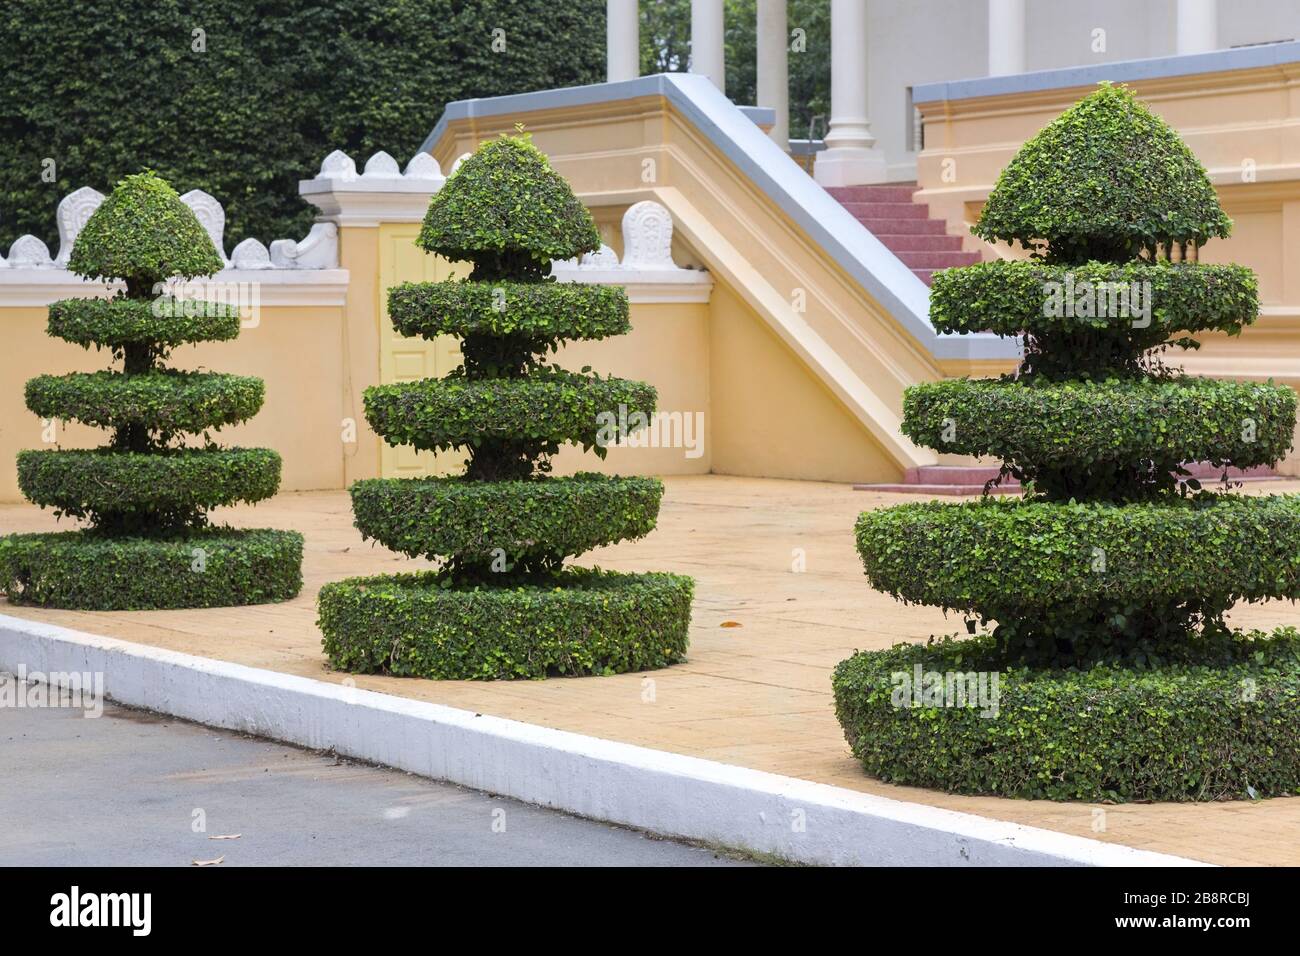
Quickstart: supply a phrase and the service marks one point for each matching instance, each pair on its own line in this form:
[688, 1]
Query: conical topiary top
[1107, 180]
[507, 211]
[143, 234]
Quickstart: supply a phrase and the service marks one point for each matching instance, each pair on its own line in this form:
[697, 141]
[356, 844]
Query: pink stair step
[938, 260]
[906, 243]
[889, 193]
[925, 275]
[888, 210]
[904, 227]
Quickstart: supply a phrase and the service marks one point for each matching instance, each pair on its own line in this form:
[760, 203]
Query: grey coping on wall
[1120, 71]
[849, 243]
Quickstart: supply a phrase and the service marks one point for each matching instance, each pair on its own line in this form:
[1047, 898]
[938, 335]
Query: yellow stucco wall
[297, 350]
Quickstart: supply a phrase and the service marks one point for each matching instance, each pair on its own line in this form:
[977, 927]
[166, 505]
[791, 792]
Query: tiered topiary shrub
[501, 604]
[145, 494]
[1108, 582]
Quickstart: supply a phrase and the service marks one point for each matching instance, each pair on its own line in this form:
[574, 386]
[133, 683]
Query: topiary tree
[1108, 582]
[145, 494]
[501, 604]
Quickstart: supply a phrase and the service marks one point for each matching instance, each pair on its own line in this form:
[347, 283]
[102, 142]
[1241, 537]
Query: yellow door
[403, 359]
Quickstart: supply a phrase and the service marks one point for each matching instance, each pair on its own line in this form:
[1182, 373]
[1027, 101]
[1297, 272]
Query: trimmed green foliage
[1110, 565]
[207, 567]
[273, 90]
[550, 407]
[501, 604]
[507, 208]
[165, 322]
[543, 313]
[165, 401]
[1112, 439]
[575, 622]
[1012, 297]
[168, 487]
[1084, 581]
[544, 519]
[1218, 724]
[144, 494]
[142, 233]
[1105, 180]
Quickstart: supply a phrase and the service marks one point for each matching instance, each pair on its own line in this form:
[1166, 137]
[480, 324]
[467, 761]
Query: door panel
[403, 359]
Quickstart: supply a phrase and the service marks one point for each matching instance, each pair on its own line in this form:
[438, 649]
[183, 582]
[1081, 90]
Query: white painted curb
[661, 792]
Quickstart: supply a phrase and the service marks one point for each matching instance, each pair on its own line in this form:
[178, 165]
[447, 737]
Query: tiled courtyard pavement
[757, 695]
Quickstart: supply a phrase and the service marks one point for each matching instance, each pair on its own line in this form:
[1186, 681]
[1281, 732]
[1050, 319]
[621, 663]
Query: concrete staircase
[905, 227]
[964, 480]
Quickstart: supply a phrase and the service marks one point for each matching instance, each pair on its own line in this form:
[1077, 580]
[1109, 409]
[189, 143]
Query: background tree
[666, 48]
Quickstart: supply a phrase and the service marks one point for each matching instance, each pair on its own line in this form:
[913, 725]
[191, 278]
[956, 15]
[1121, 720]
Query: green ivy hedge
[428, 517]
[378, 79]
[546, 312]
[1220, 724]
[164, 321]
[86, 483]
[167, 401]
[576, 622]
[208, 567]
[436, 414]
[1079, 425]
[1012, 297]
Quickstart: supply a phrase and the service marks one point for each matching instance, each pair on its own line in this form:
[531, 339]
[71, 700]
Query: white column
[851, 156]
[622, 40]
[1198, 26]
[706, 41]
[1006, 37]
[774, 66]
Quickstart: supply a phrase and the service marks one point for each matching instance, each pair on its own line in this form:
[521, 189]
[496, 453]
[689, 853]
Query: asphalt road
[135, 788]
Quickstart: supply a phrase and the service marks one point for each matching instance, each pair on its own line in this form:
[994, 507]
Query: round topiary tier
[1219, 724]
[208, 567]
[1014, 297]
[428, 517]
[994, 555]
[543, 311]
[575, 622]
[83, 483]
[1086, 425]
[163, 321]
[435, 414]
[163, 400]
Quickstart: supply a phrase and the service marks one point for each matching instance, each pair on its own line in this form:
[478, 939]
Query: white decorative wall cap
[75, 209]
[647, 270]
[318, 250]
[382, 192]
[28, 252]
[210, 215]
